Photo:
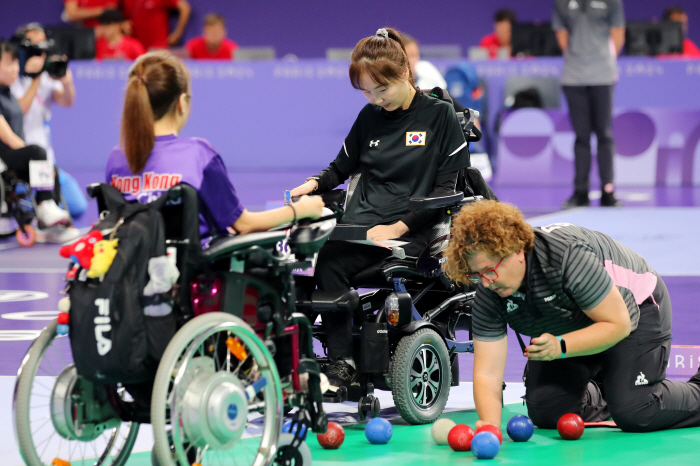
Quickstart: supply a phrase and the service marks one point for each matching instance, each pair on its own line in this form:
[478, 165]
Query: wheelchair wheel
[27, 239]
[420, 376]
[60, 416]
[217, 396]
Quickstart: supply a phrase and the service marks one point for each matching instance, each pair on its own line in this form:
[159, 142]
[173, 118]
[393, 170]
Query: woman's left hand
[546, 347]
[384, 232]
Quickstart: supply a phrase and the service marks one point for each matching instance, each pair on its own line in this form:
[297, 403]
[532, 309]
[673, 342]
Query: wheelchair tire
[32, 399]
[421, 376]
[26, 240]
[302, 456]
[187, 388]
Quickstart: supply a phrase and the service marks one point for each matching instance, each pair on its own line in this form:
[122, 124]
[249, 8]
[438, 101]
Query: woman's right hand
[306, 188]
[35, 64]
[309, 206]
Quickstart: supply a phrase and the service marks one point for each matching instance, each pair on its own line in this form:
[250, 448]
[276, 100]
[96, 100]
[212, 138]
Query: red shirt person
[150, 21]
[111, 43]
[86, 11]
[213, 43]
[501, 37]
[679, 15]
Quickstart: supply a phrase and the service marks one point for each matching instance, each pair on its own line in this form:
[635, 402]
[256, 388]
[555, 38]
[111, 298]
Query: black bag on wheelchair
[113, 336]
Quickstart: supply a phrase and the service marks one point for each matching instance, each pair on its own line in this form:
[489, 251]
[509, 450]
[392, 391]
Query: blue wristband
[563, 354]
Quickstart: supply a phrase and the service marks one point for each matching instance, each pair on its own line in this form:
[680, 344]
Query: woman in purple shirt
[152, 158]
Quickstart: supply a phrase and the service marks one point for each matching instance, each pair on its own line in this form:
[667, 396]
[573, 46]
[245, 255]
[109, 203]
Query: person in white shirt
[426, 75]
[36, 96]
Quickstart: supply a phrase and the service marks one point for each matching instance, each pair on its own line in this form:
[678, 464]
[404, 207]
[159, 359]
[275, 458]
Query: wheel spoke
[415, 382]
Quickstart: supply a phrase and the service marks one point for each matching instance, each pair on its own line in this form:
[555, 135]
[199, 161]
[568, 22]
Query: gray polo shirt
[588, 60]
[570, 269]
[10, 109]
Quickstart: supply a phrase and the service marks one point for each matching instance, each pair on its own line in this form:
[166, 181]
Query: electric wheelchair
[405, 330]
[242, 355]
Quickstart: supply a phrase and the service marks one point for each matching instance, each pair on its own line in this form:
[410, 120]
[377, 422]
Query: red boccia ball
[493, 429]
[63, 318]
[460, 437]
[570, 426]
[333, 438]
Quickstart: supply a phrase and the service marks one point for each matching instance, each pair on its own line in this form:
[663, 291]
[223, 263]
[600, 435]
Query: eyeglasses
[490, 274]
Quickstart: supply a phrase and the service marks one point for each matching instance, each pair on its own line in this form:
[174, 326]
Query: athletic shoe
[50, 214]
[609, 200]
[340, 374]
[58, 234]
[579, 199]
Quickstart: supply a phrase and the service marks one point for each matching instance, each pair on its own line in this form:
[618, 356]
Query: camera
[56, 65]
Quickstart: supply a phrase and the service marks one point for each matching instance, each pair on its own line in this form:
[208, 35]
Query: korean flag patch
[415, 138]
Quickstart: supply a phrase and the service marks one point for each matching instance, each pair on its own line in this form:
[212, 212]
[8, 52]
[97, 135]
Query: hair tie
[383, 33]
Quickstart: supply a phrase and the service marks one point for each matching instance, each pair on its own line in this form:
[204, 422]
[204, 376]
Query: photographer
[17, 156]
[36, 92]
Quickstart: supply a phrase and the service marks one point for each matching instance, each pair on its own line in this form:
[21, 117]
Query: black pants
[633, 379]
[590, 110]
[338, 262]
[18, 160]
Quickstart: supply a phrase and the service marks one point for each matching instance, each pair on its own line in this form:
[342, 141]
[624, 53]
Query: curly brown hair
[496, 228]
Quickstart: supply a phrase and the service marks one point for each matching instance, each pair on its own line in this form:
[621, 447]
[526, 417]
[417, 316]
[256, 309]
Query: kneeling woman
[156, 108]
[404, 144]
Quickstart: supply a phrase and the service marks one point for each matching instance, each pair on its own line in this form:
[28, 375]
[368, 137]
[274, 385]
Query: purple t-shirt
[173, 160]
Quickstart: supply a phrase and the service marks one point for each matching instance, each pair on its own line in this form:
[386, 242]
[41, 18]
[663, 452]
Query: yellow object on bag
[103, 255]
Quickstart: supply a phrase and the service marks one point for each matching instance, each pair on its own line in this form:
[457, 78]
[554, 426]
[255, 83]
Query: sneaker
[609, 200]
[578, 199]
[340, 374]
[58, 234]
[50, 214]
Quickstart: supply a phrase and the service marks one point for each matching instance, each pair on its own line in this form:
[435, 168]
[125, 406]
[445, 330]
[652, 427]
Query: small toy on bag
[81, 251]
[103, 255]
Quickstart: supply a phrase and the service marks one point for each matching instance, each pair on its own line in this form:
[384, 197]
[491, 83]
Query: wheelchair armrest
[423, 203]
[349, 233]
[470, 199]
[333, 301]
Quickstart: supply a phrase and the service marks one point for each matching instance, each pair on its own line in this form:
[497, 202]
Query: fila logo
[415, 138]
[511, 306]
[641, 380]
[102, 325]
[549, 298]
[374, 143]
[382, 331]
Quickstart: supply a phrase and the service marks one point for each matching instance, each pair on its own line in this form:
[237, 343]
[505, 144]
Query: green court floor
[413, 446]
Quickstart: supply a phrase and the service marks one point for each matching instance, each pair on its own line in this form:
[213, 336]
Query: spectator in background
[111, 43]
[213, 43]
[678, 14]
[36, 95]
[150, 21]
[426, 75]
[584, 29]
[500, 37]
[85, 11]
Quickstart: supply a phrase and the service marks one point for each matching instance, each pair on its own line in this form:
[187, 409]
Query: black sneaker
[579, 199]
[609, 200]
[340, 374]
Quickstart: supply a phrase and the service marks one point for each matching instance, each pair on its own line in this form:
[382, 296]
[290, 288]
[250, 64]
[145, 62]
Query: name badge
[41, 175]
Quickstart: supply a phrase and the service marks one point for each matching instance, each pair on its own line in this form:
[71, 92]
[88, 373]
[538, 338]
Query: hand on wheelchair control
[543, 348]
[309, 207]
[306, 188]
[385, 232]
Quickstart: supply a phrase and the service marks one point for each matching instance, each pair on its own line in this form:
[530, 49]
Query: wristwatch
[562, 343]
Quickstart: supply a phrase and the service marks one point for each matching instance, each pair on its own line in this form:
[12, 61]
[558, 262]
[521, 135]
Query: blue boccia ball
[485, 445]
[520, 428]
[62, 329]
[378, 431]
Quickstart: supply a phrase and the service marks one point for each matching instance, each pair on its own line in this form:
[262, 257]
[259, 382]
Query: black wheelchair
[241, 356]
[405, 331]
